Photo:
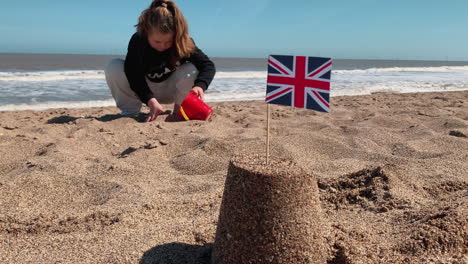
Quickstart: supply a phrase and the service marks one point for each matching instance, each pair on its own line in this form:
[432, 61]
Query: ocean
[42, 81]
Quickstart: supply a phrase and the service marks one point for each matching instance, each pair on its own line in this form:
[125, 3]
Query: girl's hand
[155, 110]
[199, 92]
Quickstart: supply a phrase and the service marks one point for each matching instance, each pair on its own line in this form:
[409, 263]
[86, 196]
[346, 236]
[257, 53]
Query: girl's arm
[206, 69]
[134, 69]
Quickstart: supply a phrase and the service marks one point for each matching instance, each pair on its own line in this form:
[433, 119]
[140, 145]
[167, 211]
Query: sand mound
[207, 156]
[455, 123]
[386, 201]
[436, 230]
[369, 189]
[197, 162]
[444, 188]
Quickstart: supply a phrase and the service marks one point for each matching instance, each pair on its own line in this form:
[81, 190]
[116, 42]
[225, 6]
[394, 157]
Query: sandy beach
[89, 186]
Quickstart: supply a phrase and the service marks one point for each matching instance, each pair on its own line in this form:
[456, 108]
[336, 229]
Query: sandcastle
[269, 214]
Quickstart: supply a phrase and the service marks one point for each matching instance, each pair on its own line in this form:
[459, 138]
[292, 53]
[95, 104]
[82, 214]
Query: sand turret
[269, 214]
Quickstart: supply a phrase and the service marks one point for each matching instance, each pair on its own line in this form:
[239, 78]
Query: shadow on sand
[105, 118]
[64, 119]
[178, 253]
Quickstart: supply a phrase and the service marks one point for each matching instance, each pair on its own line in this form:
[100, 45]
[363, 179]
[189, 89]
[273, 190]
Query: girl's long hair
[166, 17]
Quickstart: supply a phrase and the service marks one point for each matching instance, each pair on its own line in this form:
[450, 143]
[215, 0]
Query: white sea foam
[405, 69]
[241, 74]
[88, 88]
[44, 76]
[53, 105]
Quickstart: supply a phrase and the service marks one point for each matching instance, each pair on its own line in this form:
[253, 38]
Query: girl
[162, 66]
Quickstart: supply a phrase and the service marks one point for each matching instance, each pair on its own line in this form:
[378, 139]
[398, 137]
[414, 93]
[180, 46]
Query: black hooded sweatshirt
[143, 62]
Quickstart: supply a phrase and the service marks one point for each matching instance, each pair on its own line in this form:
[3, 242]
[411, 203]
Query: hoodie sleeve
[206, 68]
[134, 69]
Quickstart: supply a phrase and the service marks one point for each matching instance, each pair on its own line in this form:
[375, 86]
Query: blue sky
[358, 29]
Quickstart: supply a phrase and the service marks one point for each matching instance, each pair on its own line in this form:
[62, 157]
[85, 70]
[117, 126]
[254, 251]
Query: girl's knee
[188, 70]
[115, 66]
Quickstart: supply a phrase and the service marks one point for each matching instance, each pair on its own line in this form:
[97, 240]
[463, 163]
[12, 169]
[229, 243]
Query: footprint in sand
[89, 223]
[127, 152]
[100, 192]
[146, 146]
[208, 156]
[457, 133]
[62, 119]
[44, 150]
[404, 150]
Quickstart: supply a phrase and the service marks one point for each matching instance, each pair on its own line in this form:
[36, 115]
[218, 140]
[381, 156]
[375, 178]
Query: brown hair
[165, 17]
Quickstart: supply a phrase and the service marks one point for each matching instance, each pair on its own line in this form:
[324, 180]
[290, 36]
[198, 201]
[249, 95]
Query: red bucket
[193, 108]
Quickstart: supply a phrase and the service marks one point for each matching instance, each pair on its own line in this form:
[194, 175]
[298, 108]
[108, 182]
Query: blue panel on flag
[327, 75]
[273, 70]
[287, 61]
[313, 103]
[271, 88]
[316, 63]
[284, 99]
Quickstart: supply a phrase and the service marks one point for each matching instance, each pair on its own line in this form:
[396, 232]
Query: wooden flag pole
[291, 76]
[268, 135]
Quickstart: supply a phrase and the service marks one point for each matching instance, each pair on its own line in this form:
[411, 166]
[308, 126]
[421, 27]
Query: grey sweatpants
[172, 90]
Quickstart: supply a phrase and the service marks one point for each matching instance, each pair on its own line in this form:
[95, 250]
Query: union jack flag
[299, 81]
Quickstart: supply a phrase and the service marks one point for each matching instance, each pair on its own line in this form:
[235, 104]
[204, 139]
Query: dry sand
[85, 186]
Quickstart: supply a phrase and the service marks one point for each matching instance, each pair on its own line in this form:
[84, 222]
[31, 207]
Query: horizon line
[227, 57]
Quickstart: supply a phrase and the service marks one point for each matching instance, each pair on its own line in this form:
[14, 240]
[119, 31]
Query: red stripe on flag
[299, 91]
[277, 94]
[323, 85]
[278, 67]
[319, 70]
[320, 98]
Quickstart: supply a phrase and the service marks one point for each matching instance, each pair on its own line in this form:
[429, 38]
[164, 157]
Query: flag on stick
[299, 81]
